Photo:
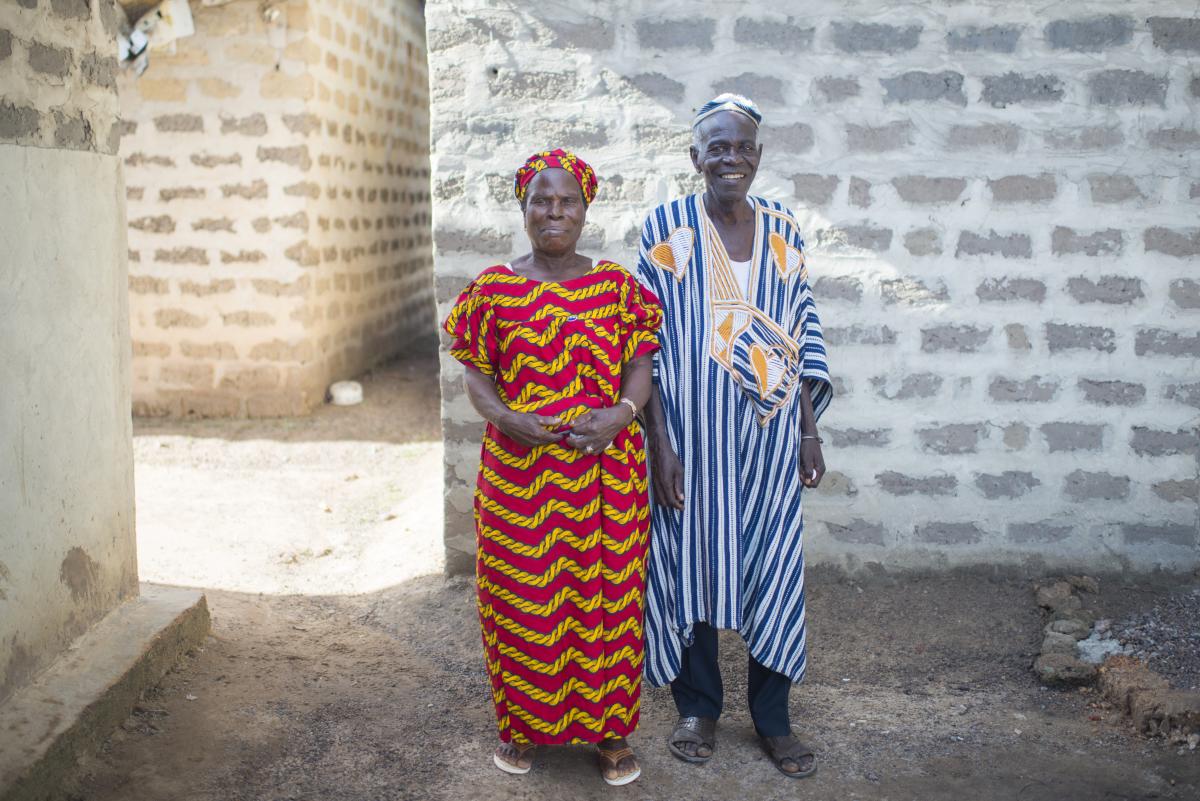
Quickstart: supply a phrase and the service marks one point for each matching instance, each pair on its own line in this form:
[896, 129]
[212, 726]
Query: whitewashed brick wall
[1002, 207]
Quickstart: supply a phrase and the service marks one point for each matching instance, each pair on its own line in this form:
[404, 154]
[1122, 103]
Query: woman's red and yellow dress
[562, 535]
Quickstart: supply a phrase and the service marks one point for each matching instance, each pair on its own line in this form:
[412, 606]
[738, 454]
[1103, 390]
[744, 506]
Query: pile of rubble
[1072, 648]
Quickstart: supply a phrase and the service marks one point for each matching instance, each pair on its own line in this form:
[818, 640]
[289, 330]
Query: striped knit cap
[729, 102]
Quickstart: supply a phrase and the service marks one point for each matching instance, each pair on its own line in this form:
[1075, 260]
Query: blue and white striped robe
[728, 375]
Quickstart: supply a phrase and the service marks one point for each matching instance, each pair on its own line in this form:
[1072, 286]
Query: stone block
[689, 33]
[783, 35]
[1084, 486]
[1114, 188]
[582, 33]
[49, 60]
[1185, 293]
[895, 483]
[1016, 436]
[1017, 336]
[923, 242]
[1112, 393]
[486, 241]
[953, 438]
[1160, 442]
[1167, 343]
[302, 124]
[815, 190]
[303, 254]
[1066, 436]
[256, 190]
[917, 86]
[247, 319]
[833, 89]
[251, 51]
[243, 257]
[795, 137]
[959, 338]
[827, 288]
[214, 224]
[863, 37]
[1002, 137]
[181, 255]
[163, 90]
[879, 139]
[532, 85]
[1090, 35]
[857, 532]
[859, 192]
[210, 404]
[915, 385]
[1011, 289]
[218, 88]
[5, 44]
[658, 86]
[295, 156]
[860, 335]
[1065, 241]
[220, 351]
[197, 376]
[211, 161]
[1175, 139]
[98, 70]
[849, 238]
[178, 318]
[179, 123]
[858, 438]
[1008, 484]
[991, 39]
[1163, 534]
[1187, 489]
[250, 379]
[217, 286]
[912, 292]
[1008, 246]
[1187, 394]
[1181, 243]
[277, 404]
[1127, 88]
[1110, 289]
[169, 193]
[70, 9]
[1031, 390]
[949, 533]
[925, 189]
[1095, 137]
[148, 285]
[653, 137]
[1024, 188]
[153, 350]
[1063, 336]
[1175, 34]
[73, 132]
[1043, 532]
[154, 224]
[250, 125]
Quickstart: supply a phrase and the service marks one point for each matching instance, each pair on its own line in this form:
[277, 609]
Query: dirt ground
[919, 686]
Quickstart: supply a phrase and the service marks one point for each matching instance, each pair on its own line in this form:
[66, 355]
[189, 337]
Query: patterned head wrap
[556, 158]
[729, 102]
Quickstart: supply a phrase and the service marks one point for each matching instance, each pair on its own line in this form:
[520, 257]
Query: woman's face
[727, 154]
[554, 211]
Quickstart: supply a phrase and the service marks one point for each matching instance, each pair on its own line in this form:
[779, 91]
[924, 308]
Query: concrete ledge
[72, 707]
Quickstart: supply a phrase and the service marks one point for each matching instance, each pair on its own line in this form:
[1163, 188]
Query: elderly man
[739, 385]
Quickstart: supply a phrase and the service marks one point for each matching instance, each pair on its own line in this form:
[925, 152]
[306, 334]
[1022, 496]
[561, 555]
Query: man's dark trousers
[698, 691]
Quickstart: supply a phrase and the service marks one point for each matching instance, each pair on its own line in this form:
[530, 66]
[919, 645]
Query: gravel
[1167, 637]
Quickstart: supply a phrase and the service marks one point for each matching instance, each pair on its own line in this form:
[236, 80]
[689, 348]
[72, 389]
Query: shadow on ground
[918, 689]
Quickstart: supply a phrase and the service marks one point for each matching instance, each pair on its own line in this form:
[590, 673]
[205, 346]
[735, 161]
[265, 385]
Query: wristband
[631, 405]
[812, 436]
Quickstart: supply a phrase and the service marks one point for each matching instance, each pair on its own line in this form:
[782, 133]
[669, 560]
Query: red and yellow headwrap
[556, 158]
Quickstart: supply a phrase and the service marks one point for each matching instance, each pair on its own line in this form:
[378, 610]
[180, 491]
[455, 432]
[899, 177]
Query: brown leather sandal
[788, 748]
[610, 758]
[701, 732]
[522, 750]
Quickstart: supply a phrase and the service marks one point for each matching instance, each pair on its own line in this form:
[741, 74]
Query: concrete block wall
[278, 204]
[67, 554]
[1001, 205]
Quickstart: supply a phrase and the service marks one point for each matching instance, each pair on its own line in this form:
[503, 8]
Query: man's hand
[812, 463]
[529, 429]
[667, 472]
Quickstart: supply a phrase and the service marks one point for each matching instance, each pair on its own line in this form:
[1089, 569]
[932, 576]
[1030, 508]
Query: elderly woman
[740, 384]
[557, 350]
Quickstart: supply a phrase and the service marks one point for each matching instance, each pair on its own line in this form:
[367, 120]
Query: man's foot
[694, 739]
[618, 765]
[792, 757]
[516, 758]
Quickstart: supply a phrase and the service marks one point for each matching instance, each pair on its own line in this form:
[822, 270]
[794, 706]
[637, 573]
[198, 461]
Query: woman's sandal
[788, 748]
[519, 751]
[700, 732]
[610, 758]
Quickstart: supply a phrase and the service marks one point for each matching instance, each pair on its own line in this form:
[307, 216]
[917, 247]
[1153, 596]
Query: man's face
[727, 154]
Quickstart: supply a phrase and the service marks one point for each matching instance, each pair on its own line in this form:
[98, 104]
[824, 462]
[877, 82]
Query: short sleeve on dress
[471, 324]
[641, 316]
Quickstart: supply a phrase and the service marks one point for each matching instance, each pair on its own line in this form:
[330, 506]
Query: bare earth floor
[325, 679]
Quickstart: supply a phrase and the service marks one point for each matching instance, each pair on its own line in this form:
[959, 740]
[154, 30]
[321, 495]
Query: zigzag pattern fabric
[729, 376]
[561, 536]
